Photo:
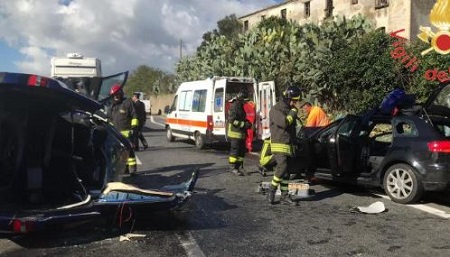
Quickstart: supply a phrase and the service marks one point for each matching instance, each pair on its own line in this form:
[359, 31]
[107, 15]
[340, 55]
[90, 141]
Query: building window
[381, 3]
[283, 14]
[307, 9]
[245, 26]
[354, 1]
[329, 9]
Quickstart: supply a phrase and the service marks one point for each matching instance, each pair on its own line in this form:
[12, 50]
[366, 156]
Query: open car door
[343, 146]
[265, 99]
[103, 85]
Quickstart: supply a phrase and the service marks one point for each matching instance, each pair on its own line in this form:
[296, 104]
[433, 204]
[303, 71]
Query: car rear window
[443, 126]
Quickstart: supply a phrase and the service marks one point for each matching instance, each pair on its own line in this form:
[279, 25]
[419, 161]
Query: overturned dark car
[406, 154]
[61, 161]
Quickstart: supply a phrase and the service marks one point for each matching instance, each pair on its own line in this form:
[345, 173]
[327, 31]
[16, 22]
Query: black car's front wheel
[402, 184]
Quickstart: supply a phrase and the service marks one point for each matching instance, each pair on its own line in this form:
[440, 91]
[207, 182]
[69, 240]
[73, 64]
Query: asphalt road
[227, 217]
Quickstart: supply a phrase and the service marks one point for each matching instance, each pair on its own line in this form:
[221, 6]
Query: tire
[402, 184]
[169, 135]
[199, 141]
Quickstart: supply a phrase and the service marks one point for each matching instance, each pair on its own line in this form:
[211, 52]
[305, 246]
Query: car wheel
[199, 141]
[169, 135]
[402, 184]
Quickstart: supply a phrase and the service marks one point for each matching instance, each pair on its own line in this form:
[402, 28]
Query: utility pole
[181, 49]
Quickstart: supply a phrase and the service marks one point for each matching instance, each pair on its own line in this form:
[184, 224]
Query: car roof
[46, 90]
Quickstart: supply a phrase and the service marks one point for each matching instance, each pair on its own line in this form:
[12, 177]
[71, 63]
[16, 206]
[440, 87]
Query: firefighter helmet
[115, 89]
[292, 93]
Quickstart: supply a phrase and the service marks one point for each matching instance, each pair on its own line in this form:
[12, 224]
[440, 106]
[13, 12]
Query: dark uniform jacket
[139, 107]
[281, 132]
[236, 120]
[121, 114]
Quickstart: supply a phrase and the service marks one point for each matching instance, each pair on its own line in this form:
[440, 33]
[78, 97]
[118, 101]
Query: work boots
[237, 172]
[285, 198]
[271, 194]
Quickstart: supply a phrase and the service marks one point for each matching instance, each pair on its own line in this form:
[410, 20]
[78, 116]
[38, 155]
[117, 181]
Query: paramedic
[283, 117]
[124, 119]
[316, 115]
[237, 131]
[250, 112]
[316, 118]
[139, 107]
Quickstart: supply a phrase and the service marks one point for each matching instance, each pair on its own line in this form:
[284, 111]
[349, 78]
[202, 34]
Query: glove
[293, 112]
[292, 115]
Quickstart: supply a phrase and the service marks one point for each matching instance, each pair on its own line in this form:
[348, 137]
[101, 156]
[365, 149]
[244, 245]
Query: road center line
[422, 207]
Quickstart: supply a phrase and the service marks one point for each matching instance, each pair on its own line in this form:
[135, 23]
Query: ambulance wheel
[199, 140]
[169, 135]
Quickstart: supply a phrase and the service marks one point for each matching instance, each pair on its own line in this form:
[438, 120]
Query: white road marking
[157, 123]
[190, 245]
[422, 207]
[138, 162]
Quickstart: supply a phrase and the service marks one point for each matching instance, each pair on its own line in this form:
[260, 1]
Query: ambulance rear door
[265, 100]
[219, 107]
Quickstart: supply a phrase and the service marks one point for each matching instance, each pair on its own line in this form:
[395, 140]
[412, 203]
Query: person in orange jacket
[316, 116]
[250, 112]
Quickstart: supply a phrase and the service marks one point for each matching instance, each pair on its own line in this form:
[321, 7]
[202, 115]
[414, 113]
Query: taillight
[37, 81]
[20, 226]
[209, 122]
[439, 146]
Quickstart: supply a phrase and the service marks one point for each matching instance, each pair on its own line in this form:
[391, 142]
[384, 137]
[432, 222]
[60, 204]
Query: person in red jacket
[250, 112]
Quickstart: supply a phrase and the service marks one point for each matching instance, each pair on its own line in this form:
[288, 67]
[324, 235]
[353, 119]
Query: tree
[230, 27]
[151, 81]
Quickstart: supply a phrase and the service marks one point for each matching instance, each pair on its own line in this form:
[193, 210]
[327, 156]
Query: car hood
[28, 87]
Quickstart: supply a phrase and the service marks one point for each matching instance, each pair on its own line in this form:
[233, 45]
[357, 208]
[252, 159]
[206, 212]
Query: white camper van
[75, 65]
[199, 108]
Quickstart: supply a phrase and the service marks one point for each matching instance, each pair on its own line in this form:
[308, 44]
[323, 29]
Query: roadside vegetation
[343, 65]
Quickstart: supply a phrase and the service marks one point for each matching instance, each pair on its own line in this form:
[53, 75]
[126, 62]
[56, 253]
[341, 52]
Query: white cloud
[122, 34]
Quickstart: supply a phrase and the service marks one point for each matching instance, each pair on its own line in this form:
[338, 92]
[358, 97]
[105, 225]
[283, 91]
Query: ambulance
[199, 108]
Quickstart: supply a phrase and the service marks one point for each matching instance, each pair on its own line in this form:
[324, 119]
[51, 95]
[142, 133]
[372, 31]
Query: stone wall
[159, 102]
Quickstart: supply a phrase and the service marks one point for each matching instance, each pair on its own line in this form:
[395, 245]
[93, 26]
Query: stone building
[391, 14]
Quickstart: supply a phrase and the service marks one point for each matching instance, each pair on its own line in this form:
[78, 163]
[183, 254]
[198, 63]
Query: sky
[123, 34]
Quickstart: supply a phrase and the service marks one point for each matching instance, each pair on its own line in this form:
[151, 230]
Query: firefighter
[283, 119]
[237, 131]
[250, 112]
[125, 120]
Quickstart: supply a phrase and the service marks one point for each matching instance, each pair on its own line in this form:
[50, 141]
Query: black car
[60, 158]
[406, 154]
